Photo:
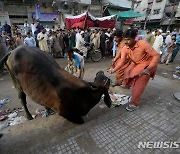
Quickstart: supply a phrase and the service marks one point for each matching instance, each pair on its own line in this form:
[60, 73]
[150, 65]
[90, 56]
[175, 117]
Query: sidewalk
[105, 131]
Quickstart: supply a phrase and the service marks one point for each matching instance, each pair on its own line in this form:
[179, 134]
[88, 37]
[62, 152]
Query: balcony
[170, 8]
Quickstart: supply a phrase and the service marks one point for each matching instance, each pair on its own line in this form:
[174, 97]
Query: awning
[123, 15]
[87, 20]
[129, 14]
[113, 11]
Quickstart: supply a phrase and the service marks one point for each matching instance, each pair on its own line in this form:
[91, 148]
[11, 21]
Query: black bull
[37, 75]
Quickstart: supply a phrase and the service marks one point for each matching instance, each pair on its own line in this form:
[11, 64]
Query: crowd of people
[57, 41]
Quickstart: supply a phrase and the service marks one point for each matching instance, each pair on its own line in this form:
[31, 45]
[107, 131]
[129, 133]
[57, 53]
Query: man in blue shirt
[78, 60]
[7, 28]
[1, 29]
[177, 47]
[29, 40]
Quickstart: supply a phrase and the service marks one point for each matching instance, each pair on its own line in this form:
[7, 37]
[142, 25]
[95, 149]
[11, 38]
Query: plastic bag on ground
[118, 99]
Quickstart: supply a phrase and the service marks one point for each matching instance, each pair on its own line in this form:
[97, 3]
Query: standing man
[177, 47]
[158, 43]
[26, 27]
[47, 29]
[72, 38]
[96, 39]
[149, 37]
[19, 40]
[80, 44]
[7, 28]
[33, 27]
[1, 29]
[29, 40]
[103, 39]
[120, 72]
[167, 42]
[144, 61]
[42, 38]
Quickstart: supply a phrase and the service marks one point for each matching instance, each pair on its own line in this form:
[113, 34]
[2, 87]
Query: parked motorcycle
[95, 55]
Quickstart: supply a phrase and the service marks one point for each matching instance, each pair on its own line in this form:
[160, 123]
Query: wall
[121, 3]
[141, 8]
[158, 5]
[24, 12]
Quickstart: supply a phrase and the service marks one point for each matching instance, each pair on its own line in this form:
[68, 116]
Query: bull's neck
[97, 94]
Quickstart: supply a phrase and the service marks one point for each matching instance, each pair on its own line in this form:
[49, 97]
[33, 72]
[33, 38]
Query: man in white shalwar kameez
[80, 44]
[42, 38]
[158, 43]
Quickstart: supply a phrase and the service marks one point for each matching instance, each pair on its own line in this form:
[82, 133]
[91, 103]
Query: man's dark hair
[130, 33]
[118, 33]
[148, 29]
[174, 35]
[69, 49]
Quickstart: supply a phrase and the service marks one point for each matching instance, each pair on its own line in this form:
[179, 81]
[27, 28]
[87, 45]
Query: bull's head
[103, 82]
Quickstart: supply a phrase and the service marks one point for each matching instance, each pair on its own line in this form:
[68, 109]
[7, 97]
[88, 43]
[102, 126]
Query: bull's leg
[22, 96]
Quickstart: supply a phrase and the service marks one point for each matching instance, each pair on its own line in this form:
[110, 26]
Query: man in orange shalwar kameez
[144, 61]
[120, 72]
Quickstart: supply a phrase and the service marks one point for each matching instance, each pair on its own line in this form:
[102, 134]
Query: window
[157, 11]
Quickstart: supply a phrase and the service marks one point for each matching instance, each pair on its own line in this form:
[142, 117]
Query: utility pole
[133, 3]
[172, 14]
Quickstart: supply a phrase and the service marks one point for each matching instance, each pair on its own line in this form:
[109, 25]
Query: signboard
[4, 16]
[46, 16]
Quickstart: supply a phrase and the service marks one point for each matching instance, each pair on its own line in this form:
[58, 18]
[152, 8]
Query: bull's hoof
[29, 117]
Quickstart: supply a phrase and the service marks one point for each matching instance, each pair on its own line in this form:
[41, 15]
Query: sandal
[131, 107]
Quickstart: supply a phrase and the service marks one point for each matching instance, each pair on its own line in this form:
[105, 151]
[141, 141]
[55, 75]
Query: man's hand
[111, 71]
[113, 61]
[145, 72]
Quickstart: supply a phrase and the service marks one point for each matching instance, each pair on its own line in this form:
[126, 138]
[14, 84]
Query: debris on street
[3, 101]
[11, 119]
[118, 99]
[17, 120]
[176, 74]
[12, 115]
[3, 117]
[41, 113]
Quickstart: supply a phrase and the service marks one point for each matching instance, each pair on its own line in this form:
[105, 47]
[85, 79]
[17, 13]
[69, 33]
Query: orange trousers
[138, 84]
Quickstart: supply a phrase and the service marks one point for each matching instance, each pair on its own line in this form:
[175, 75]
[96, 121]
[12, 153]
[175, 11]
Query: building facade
[20, 11]
[158, 14]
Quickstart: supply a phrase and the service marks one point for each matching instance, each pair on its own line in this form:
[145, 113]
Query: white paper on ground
[120, 99]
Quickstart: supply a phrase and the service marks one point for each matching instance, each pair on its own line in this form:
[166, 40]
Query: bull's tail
[4, 59]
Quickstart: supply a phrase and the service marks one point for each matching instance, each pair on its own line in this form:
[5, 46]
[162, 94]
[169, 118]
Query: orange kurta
[142, 56]
[120, 71]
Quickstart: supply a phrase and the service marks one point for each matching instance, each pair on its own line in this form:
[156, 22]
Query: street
[105, 130]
